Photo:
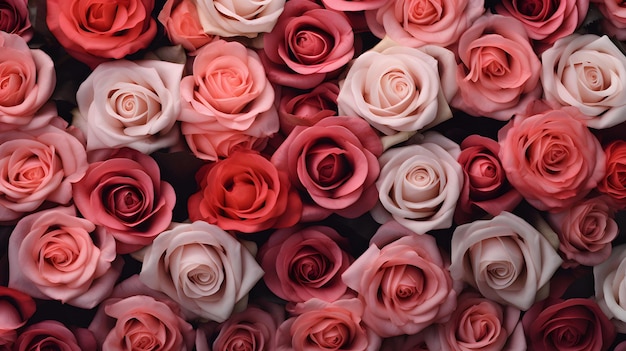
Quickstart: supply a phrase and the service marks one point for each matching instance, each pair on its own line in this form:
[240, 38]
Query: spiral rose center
[332, 338]
[310, 46]
[242, 340]
[477, 324]
[241, 192]
[100, 16]
[311, 267]
[425, 12]
[12, 79]
[396, 87]
[139, 338]
[538, 9]
[125, 202]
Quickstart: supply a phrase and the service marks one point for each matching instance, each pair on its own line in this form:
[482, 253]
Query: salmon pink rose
[307, 43]
[613, 183]
[28, 78]
[14, 18]
[613, 17]
[53, 254]
[307, 108]
[53, 335]
[247, 18]
[130, 104]
[16, 308]
[505, 258]
[551, 158]
[246, 193]
[201, 267]
[213, 145]
[334, 163]
[610, 284]
[498, 74]
[95, 31]
[402, 281]
[182, 24]
[589, 73]
[123, 192]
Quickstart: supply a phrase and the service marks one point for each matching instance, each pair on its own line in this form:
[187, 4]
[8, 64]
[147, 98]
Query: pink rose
[38, 165]
[413, 23]
[499, 72]
[505, 258]
[551, 158]
[485, 187]
[585, 232]
[333, 162]
[546, 20]
[403, 282]
[413, 342]
[14, 18]
[307, 108]
[621, 346]
[613, 184]
[124, 193]
[481, 324]
[419, 184]
[120, 28]
[210, 145]
[245, 18]
[572, 324]
[53, 254]
[246, 193]
[353, 6]
[308, 43]
[16, 308]
[321, 325]
[589, 73]
[53, 335]
[201, 267]
[610, 286]
[130, 103]
[613, 17]
[301, 264]
[29, 79]
[182, 24]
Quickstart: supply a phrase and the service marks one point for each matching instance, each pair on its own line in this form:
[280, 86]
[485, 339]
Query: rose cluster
[312, 175]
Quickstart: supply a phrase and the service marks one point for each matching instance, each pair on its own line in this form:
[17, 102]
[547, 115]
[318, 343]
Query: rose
[485, 187]
[335, 163]
[203, 268]
[53, 254]
[419, 184]
[551, 158]
[350, 6]
[546, 21]
[14, 18]
[124, 193]
[308, 43]
[246, 193]
[94, 31]
[130, 103]
[182, 24]
[505, 258]
[307, 108]
[38, 165]
[16, 308]
[587, 72]
[29, 79]
[396, 90]
[498, 75]
[227, 92]
[613, 183]
[53, 335]
[242, 18]
[572, 324]
[621, 346]
[212, 146]
[609, 286]
[481, 324]
[403, 282]
[413, 23]
[585, 232]
[321, 325]
[301, 264]
[613, 18]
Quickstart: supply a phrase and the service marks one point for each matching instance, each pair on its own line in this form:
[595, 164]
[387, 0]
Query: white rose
[610, 287]
[227, 18]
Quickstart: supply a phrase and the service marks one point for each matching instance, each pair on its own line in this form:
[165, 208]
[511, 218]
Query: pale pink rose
[307, 44]
[481, 324]
[321, 325]
[546, 20]
[551, 158]
[123, 192]
[505, 258]
[585, 231]
[29, 79]
[333, 162]
[182, 24]
[396, 90]
[414, 23]
[53, 254]
[610, 286]
[203, 268]
[122, 27]
[246, 18]
[16, 308]
[130, 103]
[403, 282]
[38, 165]
[210, 145]
[419, 184]
[53, 335]
[14, 18]
[307, 108]
[498, 74]
[301, 264]
[614, 17]
[589, 73]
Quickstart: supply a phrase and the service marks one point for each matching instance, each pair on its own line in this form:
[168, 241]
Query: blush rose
[182, 24]
[247, 18]
[613, 17]
[609, 286]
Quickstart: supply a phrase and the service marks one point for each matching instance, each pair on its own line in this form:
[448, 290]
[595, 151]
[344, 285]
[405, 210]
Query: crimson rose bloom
[306, 109]
[614, 182]
[14, 18]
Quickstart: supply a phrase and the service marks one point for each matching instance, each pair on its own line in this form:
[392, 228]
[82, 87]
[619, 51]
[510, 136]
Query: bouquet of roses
[312, 175]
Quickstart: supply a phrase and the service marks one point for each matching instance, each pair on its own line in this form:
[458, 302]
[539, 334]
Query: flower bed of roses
[288, 175]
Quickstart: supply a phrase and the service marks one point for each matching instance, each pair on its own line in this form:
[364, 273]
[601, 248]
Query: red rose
[614, 181]
[306, 109]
